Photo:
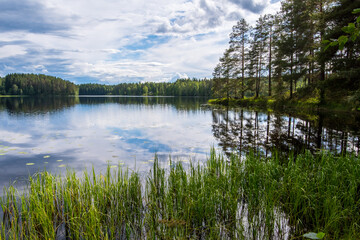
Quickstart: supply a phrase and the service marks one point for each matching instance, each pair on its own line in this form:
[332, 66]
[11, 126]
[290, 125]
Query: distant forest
[182, 87]
[33, 84]
[36, 84]
[308, 48]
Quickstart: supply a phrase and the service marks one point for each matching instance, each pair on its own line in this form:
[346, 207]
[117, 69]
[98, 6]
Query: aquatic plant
[227, 198]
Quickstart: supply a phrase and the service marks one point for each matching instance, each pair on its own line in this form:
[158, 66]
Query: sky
[116, 41]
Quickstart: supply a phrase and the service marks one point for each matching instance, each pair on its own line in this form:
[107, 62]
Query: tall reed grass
[253, 198]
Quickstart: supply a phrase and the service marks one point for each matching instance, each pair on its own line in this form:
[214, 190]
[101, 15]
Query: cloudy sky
[113, 41]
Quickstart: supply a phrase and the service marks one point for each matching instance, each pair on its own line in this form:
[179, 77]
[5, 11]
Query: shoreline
[285, 105]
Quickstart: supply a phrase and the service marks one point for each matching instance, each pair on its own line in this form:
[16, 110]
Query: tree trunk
[322, 62]
[270, 61]
[291, 76]
[243, 68]
[259, 77]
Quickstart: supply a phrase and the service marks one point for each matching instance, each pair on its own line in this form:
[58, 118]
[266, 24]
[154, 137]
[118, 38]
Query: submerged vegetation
[250, 198]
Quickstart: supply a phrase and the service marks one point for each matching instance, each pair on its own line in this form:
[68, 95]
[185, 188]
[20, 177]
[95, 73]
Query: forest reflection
[36, 105]
[240, 130]
[41, 105]
[245, 131]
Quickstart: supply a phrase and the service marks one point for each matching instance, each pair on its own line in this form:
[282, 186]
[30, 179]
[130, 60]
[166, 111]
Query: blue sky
[114, 41]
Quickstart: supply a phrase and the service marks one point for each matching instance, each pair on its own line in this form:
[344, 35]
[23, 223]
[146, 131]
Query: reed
[223, 198]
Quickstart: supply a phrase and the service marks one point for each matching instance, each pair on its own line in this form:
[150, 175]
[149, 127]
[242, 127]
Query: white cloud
[109, 40]
[11, 50]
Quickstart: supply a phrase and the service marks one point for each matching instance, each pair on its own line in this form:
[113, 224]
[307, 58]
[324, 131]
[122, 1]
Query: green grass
[309, 103]
[13, 96]
[251, 198]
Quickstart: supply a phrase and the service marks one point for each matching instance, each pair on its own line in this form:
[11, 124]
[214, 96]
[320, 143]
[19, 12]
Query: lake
[94, 131]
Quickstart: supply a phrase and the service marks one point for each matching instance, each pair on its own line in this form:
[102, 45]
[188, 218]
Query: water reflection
[94, 131]
[261, 132]
[187, 103]
[81, 132]
[36, 105]
[45, 105]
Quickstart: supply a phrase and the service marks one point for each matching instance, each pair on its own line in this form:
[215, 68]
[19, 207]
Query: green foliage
[312, 235]
[352, 30]
[95, 89]
[285, 52]
[2, 86]
[251, 198]
[182, 87]
[33, 84]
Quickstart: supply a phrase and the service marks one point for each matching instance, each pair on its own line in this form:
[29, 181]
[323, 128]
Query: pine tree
[223, 73]
[344, 60]
[260, 36]
[293, 42]
[270, 21]
[238, 39]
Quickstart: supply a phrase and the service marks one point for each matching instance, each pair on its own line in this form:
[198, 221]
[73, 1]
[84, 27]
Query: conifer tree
[238, 39]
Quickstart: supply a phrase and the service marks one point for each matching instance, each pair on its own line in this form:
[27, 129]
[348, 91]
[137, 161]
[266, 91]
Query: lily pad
[47, 156]
[113, 166]
[30, 164]
[59, 160]
[23, 153]
[312, 235]
[62, 165]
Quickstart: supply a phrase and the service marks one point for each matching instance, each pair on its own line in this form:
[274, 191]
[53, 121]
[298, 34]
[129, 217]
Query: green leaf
[353, 37]
[331, 44]
[320, 235]
[356, 11]
[358, 19]
[326, 41]
[341, 46]
[342, 40]
[312, 235]
[350, 28]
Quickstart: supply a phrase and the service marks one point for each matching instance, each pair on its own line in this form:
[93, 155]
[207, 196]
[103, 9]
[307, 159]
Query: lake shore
[252, 198]
[310, 105]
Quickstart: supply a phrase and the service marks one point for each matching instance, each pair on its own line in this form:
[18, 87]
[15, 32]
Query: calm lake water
[81, 132]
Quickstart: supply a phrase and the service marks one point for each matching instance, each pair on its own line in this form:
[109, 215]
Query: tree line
[36, 84]
[296, 48]
[182, 87]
